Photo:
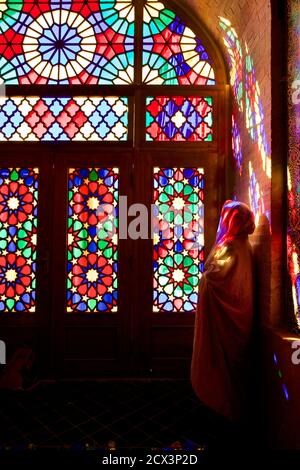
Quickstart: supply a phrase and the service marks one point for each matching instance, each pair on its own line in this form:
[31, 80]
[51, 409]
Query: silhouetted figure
[224, 319]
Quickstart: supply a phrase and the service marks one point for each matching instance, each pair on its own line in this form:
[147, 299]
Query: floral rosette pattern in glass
[178, 255]
[92, 240]
[67, 42]
[18, 239]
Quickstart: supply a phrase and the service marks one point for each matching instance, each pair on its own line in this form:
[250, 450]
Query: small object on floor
[176, 445]
[17, 374]
[111, 445]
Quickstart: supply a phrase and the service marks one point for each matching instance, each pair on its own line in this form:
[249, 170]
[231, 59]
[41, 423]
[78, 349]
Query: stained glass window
[92, 240]
[67, 42]
[18, 239]
[63, 119]
[178, 256]
[178, 118]
[172, 53]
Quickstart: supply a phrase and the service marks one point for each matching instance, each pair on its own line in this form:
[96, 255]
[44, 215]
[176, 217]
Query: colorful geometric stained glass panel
[178, 255]
[92, 240]
[18, 238]
[67, 42]
[63, 119]
[178, 118]
[172, 54]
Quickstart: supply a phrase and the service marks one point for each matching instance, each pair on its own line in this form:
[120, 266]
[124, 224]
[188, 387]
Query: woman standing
[224, 317]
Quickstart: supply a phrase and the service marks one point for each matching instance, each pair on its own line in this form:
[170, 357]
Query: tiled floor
[108, 414]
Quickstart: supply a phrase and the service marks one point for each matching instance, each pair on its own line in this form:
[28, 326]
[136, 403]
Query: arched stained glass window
[92, 42]
[132, 72]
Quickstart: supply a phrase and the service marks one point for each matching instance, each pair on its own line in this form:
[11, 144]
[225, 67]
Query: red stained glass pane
[18, 238]
[92, 285]
[67, 42]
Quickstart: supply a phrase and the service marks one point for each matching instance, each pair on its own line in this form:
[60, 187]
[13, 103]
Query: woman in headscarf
[224, 316]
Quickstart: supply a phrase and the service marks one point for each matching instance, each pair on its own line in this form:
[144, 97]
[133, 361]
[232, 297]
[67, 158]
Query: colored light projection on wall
[292, 247]
[280, 376]
[179, 118]
[67, 42]
[255, 114]
[92, 284]
[178, 255]
[237, 144]
[172, 54]
[293, 240]
[63, 119]
[235, 61]
[294, 270]
[256, 197]
[18, 239]
[246, 92]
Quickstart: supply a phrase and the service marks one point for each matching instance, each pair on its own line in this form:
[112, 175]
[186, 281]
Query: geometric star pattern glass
[63, 119]
[67, 42]
[178, 239]
[178, 118]
[92, 240]
[18, 237]
[172, 54]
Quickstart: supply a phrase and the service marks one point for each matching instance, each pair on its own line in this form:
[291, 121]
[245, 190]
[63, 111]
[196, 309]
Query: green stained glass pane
[18, 239]
[178, 238]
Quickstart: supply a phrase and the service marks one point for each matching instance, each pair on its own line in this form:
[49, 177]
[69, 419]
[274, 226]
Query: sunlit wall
[250, 144]
[293, 238]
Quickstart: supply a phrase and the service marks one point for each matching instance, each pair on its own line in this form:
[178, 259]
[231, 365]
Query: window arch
[78, 42]
[100, 91]
[48, 44]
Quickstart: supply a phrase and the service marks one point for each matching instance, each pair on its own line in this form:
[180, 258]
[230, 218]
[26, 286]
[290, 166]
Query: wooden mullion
[69, 90]
[109, 90]
[138, 41]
